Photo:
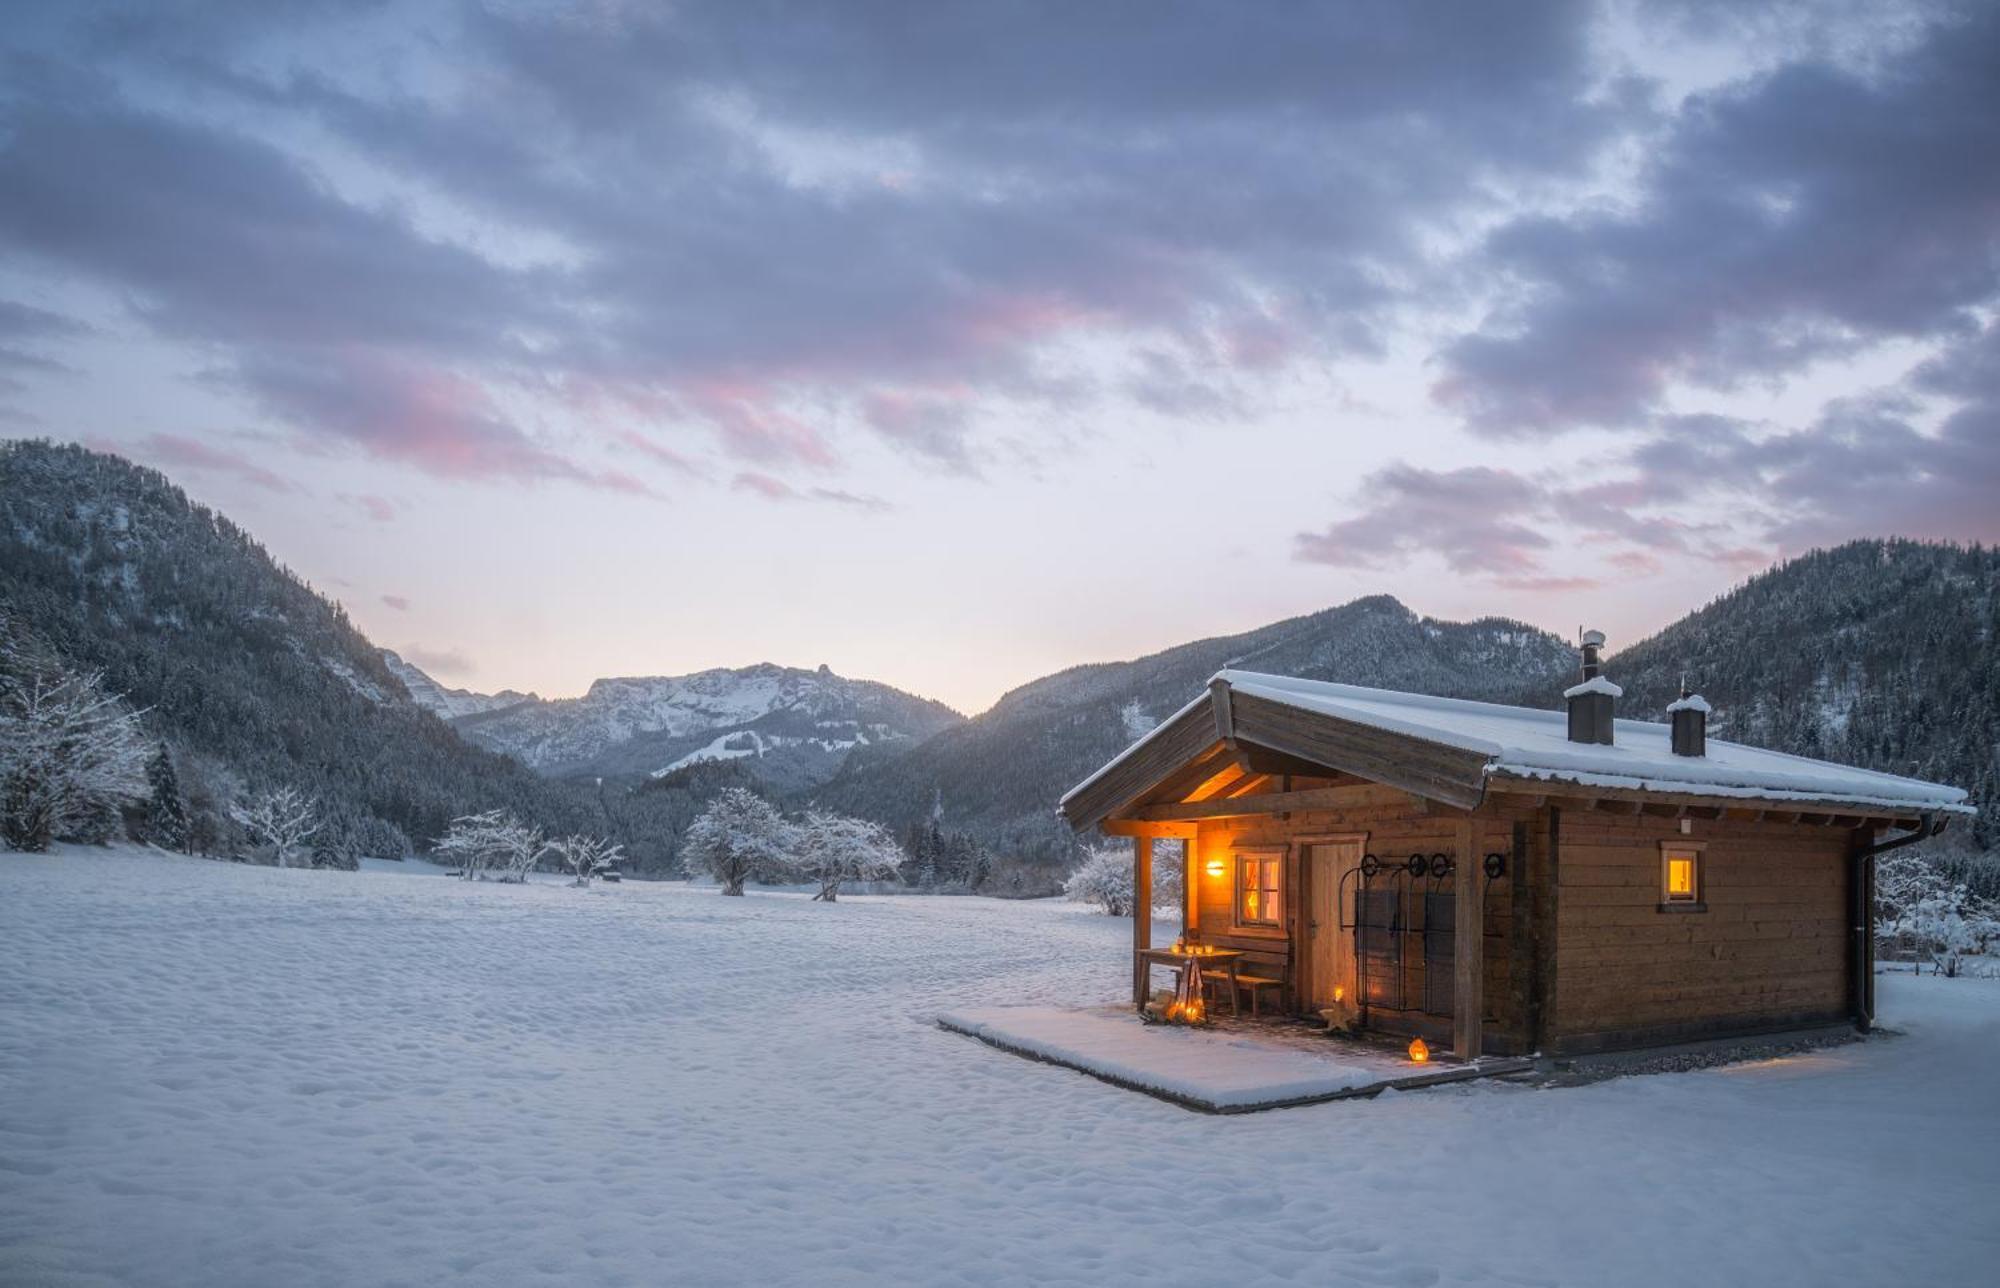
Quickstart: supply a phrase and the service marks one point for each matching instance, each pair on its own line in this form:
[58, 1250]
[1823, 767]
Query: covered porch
[1297, 843]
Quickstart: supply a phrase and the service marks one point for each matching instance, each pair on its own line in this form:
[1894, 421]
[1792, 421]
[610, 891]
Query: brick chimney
[1690, 717]
[1591, 703]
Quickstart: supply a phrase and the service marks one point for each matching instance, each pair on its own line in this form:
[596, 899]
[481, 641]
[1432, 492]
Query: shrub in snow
[1922, 915]
[70, 754]
[833, 848]
[1105, 878]
[585, 856]
[281, 820]
[739, 835]
[495, 842]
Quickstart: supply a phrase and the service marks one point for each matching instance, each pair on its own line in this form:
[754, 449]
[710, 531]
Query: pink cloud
[1548, 585]
[181, 452]
[655, 452]
[380, 509]
[774, 489]
[427, 417]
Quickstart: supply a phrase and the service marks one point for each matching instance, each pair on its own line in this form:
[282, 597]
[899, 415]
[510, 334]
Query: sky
[955, 344]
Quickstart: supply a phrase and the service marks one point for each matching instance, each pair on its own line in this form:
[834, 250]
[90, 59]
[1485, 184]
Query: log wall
[1770, 950]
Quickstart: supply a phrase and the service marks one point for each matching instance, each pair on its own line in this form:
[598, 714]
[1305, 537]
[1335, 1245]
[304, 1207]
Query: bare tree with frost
[282, 820]
[585, 856]
[833, 848]
[70, 755]
[739, 835]
[494, 841]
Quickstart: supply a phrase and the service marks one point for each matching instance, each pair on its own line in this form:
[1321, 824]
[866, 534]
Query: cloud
[702, 191]
[380, 509]
[774, 489]
[397, 602]
[436, 420]
[1812, 212]
[437, 661]
[25, 323]
[1866, 465]
[181, 452]
[1473, 518]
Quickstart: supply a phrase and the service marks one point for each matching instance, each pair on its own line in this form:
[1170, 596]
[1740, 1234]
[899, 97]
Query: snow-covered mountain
[793, 727]
[448, 704]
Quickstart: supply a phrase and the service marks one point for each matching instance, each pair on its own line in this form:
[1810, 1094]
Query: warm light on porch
[1214, 868]
[1420, 1051]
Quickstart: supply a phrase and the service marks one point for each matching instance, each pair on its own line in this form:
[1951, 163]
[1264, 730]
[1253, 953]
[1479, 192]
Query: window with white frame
[1260, 895]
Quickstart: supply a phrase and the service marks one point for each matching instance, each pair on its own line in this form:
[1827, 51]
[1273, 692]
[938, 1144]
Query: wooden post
[1142, 916]
[1190, 887]
[1468, 944]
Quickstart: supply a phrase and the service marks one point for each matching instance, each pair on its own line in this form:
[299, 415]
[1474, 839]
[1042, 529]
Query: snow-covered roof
[1523, 742]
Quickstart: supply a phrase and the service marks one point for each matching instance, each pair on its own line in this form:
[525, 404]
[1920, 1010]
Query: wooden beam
[1270, 803]
[1214, 785]
[1190, 778]
[1265, 760]
[1468, 1006]
[1142, 916]
[1132, 827]
[1225, 714]
[1752, 809]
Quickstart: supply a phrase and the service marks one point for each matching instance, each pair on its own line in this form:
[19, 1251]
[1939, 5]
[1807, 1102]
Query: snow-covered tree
[494, 841]
[167, 824]
[282, 819]
[739, 835]
[1105, 878]
[70, 755]
[1924, 915]
[585, 856]
[833, 848]
[337, 844]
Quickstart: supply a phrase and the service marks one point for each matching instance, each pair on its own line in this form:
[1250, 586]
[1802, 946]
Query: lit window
[1680, 875]
[1259, 897]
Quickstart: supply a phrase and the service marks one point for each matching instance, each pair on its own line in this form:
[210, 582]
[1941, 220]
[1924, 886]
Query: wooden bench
[1256, 985]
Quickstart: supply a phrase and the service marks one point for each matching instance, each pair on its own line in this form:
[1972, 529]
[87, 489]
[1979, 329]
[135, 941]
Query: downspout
[1862, 885]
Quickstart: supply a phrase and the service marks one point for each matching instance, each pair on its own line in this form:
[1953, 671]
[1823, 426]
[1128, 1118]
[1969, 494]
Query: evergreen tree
[167, 824]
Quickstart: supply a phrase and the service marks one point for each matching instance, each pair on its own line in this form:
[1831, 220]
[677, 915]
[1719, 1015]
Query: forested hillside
[252, 678]
[1876, 653]
[999, 775]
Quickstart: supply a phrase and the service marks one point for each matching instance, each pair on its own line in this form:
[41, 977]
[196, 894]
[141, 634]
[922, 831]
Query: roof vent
[1690, 717]
[1591, 702]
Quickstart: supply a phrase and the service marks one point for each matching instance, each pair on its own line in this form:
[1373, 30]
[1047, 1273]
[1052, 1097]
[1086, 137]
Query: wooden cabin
[1507, 880]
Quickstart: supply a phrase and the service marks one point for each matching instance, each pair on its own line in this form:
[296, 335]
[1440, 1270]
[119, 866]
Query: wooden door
[1329, 906]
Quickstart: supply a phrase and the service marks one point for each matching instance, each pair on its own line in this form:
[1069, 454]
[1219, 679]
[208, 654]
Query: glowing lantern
[1214, 868]
[1340, 992]
[1420, 1051]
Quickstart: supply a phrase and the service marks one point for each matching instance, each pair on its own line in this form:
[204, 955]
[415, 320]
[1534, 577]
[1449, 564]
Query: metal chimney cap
[1594, 637]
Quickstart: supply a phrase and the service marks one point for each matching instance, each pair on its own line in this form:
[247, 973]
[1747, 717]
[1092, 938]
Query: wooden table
[1226, 958]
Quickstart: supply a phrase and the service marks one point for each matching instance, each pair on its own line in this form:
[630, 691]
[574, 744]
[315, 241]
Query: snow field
[221, 1075]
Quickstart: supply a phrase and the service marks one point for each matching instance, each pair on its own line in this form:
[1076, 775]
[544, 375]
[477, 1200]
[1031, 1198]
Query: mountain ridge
[793, 726]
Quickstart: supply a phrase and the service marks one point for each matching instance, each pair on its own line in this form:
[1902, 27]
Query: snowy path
[219, 1076]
